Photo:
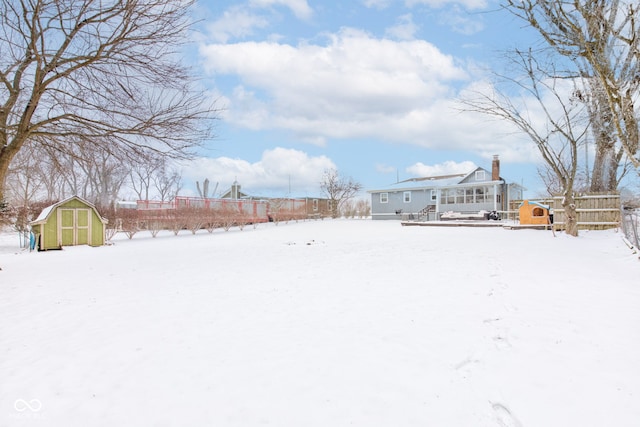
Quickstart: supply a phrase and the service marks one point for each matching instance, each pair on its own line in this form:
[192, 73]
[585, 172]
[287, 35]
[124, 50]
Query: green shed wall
[49, 233]
[49, 230]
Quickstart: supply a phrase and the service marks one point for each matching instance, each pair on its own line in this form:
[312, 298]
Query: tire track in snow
[503, 416]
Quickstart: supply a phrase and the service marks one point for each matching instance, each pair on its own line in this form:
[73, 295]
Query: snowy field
[323, 324]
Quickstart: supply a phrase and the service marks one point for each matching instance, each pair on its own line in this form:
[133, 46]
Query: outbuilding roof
[531, 202]
[44, 215]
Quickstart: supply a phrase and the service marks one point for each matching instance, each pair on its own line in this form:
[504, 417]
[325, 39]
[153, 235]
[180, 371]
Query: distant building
[234, 193]
[428, 198]
[285, 207]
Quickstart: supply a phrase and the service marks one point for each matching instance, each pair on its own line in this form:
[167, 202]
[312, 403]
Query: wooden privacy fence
[594, 211]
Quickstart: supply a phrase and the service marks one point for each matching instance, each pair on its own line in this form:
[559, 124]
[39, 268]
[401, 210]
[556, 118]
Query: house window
[384, 197]
[407, 196]
[481, 193]
[480, 176]
[448, 197]
[469, 195]
[315, 205]
[434, 195]
[451, 196]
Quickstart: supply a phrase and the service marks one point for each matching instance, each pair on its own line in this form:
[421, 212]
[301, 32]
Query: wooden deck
[508, 225]
[455, 223]
[528, 227]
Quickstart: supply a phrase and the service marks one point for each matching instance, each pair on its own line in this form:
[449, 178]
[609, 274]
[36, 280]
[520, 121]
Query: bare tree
[548, 113]
[86, 170]
[349, 209]
[104, 174]
[26, 177]
[141, 177]
[338, 189]
[599, 38]
[167, 182]
[103, 71]
[605, 174]
[363, 207]
[53, 178]
[155, 178]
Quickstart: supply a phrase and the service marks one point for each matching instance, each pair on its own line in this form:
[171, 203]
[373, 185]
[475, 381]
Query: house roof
[241, 194]
[433, 182]
[433, 178]
[44, 215]
[442, 181]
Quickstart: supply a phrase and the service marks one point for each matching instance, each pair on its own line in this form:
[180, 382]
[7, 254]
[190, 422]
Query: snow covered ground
[323, 323]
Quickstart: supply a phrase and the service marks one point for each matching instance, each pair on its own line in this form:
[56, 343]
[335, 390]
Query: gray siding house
[430, 197]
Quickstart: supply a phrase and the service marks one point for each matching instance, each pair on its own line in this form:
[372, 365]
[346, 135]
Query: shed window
[384, 197]
[315, 205]
[407, 197]
[537, 212]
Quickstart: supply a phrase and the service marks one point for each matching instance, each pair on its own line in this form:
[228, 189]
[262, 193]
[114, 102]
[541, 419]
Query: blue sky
[367, 87]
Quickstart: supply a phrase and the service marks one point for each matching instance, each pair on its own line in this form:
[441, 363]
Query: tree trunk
[335, 212]
[604, 176]
[5, 160]
[570, 215]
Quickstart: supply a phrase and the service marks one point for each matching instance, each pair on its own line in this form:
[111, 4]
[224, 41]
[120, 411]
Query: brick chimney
[495, 169]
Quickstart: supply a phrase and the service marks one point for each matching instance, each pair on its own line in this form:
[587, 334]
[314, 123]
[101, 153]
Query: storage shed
[534, 213]
[73, 221]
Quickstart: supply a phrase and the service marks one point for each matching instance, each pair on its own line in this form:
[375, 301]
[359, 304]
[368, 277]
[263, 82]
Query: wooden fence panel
[594, 211]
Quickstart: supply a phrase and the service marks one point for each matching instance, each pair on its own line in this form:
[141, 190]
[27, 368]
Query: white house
[429, 197]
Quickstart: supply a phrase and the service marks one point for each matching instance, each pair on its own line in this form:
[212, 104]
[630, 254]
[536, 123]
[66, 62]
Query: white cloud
[278, 170]
[300, 8]
[236, 22]
[461, 22]
[382, 168]
[469, 4]
[356, 86]
[342, 89]
[447, 168]
[405, 29]
[242, 20]
[377, 4]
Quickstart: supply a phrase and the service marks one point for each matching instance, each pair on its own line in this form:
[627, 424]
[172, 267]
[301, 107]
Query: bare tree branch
[103, 71]
[338, 189]
[547, 112]
[600, 38]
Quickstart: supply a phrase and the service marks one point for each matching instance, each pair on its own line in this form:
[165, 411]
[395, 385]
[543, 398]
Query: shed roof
[531, 202]
[44, 215]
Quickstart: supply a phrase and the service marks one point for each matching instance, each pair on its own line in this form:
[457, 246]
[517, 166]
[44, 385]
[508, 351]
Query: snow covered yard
[323, 323]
